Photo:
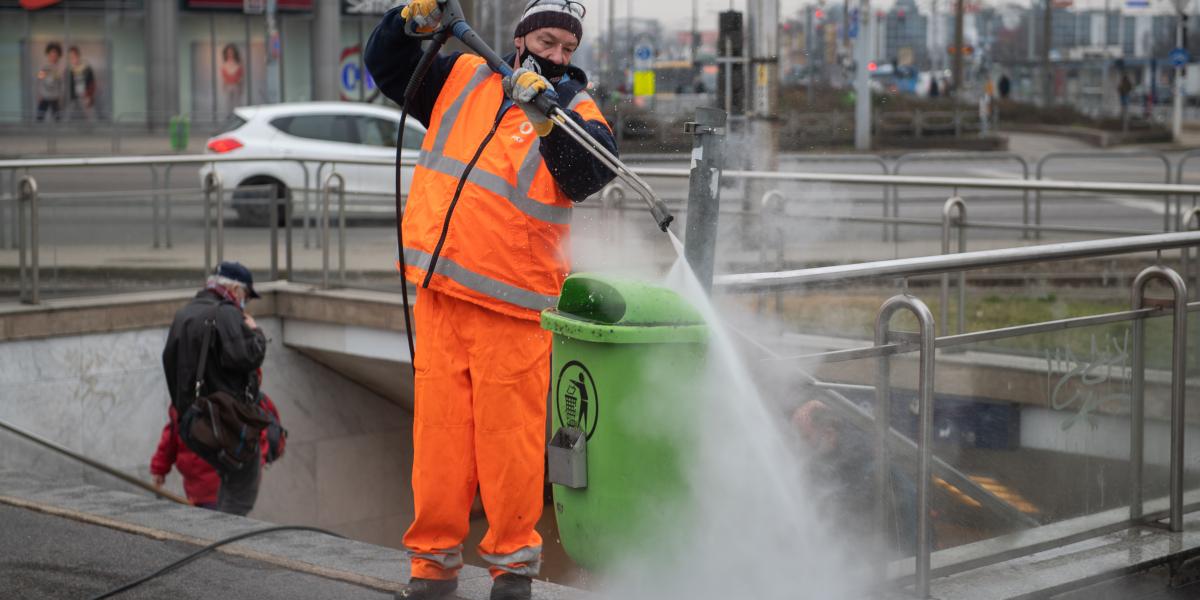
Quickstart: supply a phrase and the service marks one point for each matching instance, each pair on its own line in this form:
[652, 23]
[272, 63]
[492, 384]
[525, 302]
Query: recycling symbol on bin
[575, 398]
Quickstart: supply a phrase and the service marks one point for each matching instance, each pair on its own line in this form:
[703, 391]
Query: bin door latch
[567, 457]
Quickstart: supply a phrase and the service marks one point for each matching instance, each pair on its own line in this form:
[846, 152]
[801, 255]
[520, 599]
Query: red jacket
[200, 480]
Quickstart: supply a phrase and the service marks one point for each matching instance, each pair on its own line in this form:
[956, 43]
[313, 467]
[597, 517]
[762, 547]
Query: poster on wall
[237, 78]
[69, 81]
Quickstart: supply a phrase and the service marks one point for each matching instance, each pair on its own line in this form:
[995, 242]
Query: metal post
[287, 230]
[954, 214]
[212, 181]
[29, 193]
[704, 193]
[167, 206]
[1178, 382]
[154, 201]
[341, 230]
[924, 428]
[273, 218]
[220, 210]
[325, 189]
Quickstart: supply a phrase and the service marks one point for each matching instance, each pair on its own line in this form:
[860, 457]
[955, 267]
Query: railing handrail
[177, 159]
[1047, 185]
[933, 265]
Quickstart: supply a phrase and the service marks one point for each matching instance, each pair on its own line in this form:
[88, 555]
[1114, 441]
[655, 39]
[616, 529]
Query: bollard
[212, 182]
[704, 192]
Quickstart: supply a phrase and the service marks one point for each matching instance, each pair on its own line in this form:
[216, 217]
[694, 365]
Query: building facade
[152, 59]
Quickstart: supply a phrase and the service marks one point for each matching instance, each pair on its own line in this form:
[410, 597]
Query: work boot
[427, 589]
[510, 586]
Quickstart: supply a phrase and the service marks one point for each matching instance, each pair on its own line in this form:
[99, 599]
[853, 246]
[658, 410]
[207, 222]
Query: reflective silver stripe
[448, 559]
[519, 196]
[480, 283]
[451, 115]
[579, 98]
[529, 556]
[435, 159]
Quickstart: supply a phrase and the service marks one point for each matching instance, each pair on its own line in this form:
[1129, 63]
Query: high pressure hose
[410, 91]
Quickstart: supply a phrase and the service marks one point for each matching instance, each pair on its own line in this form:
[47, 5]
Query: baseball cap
[231, 269]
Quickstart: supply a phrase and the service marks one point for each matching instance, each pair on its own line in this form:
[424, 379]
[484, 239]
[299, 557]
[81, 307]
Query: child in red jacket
[200, 480]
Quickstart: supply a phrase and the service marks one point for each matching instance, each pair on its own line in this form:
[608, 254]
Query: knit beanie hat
[564, 14]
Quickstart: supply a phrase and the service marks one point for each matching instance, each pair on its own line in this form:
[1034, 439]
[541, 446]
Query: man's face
[53, 56]
[551, 43]
[74, 57]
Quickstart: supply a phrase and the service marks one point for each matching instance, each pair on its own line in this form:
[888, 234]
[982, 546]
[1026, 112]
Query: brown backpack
[221, 429]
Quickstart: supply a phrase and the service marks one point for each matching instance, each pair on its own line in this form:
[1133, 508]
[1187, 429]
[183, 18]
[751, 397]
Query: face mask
[545, 67]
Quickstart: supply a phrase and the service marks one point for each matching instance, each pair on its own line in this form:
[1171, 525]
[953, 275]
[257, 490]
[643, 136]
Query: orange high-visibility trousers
[479, 422]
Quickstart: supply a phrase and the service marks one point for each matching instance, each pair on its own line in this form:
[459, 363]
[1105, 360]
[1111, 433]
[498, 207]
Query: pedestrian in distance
[1004, 86]
[50, 84]
[81, 85]
[228, 364]
[487, 252]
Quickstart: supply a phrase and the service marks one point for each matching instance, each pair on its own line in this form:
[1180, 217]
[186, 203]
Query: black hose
[410, 92]
[209, 548]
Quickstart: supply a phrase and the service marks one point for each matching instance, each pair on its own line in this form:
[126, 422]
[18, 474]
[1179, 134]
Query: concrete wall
[348, 456]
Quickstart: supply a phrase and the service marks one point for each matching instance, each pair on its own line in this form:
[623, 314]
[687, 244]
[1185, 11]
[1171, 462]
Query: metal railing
[91, 463]
[25, 199]
[890, 343]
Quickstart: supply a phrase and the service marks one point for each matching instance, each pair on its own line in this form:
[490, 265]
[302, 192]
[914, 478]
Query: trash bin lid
[597, 308]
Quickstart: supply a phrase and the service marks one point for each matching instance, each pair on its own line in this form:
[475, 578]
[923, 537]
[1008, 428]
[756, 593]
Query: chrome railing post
[273, 224]
[610, 211]
[167, 206]
[325, 234]
[341, 187]
[29, 195]
[154, 200]
[926, 339]
[771, 225]
[1178, 382]
[954, 213]
[220, 214]
[212, 182]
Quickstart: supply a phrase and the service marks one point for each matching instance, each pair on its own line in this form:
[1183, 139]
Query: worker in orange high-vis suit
[484, 240]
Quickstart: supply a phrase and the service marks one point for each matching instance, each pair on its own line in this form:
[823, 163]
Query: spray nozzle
[661, 214]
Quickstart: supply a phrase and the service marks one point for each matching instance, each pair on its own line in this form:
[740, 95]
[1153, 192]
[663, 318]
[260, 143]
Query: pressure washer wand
[547, 102]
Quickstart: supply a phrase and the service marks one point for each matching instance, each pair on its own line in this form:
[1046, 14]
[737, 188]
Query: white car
[338, 130]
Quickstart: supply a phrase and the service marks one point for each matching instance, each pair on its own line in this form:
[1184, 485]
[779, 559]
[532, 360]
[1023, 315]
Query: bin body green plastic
[627, 371]
[179, 129]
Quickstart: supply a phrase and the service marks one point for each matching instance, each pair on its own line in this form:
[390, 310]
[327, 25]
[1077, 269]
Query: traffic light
[819, 14]
[729, 26]
[872, 67]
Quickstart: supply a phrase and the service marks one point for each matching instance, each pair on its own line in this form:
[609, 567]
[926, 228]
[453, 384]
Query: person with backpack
[213, 352]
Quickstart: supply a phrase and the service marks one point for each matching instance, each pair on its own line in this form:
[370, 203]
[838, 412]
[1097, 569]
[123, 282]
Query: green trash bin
[624, 388]
[179, 129]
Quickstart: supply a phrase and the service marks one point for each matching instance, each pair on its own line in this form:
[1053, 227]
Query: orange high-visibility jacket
[505, 246]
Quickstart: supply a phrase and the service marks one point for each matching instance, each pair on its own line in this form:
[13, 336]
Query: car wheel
[252, 202]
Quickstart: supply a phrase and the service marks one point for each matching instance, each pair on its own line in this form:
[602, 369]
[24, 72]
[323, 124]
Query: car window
[231, 123]
[375, 131]
[330, 128]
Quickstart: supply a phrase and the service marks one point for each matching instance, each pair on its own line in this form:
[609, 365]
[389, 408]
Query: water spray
[455, 24]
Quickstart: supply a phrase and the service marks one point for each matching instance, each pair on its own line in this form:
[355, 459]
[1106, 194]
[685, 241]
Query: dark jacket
[237, 351]
[391, 58]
